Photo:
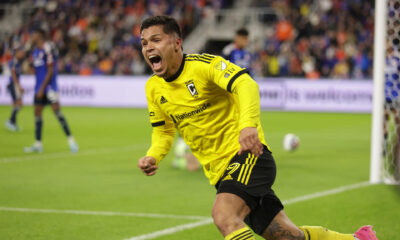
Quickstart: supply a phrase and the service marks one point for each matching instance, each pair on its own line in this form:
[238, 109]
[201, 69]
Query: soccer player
[14, 87]
[215, 106]
[45, 66]
[236, 51]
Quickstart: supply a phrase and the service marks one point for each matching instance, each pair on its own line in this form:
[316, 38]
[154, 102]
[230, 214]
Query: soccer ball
[290, 142]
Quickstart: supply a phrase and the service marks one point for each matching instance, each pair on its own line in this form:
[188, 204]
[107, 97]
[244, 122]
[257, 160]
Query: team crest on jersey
[220, 66]
[192, 89]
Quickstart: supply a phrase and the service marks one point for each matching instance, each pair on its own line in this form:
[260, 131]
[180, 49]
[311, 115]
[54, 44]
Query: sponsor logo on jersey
[192, 88]
[193, 113]
[163, 100]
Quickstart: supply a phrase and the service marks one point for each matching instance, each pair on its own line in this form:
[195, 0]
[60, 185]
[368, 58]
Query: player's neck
[176, 68]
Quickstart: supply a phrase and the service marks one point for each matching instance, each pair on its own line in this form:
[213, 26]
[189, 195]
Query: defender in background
[46, 90]
[14, 87]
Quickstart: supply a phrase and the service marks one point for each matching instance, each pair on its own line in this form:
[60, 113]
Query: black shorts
[251, 179]
[49, 97]
[14, 92]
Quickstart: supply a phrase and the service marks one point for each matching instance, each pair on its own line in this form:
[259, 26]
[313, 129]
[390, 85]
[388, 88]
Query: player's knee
[58, 113]
[225, 221]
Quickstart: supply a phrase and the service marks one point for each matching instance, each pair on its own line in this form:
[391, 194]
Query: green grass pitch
[334, 151]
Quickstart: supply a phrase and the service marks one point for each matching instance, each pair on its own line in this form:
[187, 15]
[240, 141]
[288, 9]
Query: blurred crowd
[313, 39]
[318, 39]
[96, 37]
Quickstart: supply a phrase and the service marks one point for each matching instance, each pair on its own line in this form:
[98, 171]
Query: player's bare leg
[228, 213]
[282, 228]
[71, 141]
[37, 146]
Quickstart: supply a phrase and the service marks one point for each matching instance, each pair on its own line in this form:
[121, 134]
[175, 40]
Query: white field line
[94, 151]
[103, 213]
[172, 230]
[325, 193]
[179, 228]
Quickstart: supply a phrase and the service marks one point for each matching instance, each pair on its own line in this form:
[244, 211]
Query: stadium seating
[102, 37]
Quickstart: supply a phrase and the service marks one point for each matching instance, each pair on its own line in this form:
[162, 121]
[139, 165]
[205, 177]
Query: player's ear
[178, 44]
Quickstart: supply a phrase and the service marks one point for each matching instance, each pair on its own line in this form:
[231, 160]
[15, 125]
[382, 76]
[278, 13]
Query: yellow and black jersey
[209, 101]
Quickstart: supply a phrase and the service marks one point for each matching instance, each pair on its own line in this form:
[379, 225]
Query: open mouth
[155, 61]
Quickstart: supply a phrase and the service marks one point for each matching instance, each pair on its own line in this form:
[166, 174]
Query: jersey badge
[220, 66]
[192, 89]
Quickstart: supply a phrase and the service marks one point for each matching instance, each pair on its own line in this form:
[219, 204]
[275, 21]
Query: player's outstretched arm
[148, 165]
[236, 80]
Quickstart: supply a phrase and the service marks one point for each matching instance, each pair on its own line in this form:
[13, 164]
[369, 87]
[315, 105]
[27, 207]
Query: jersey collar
[176, 75]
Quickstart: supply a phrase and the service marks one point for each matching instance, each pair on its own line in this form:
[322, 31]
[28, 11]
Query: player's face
[241, 41]
[160, 50]
[20, 54]
[34, 38]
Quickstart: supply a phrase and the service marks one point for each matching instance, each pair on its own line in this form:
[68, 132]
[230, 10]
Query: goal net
[391, 141]
[385, 147]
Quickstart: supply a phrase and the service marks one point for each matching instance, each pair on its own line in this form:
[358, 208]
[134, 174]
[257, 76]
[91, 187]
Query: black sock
[63, 123]
[38, 128]
[13, 118]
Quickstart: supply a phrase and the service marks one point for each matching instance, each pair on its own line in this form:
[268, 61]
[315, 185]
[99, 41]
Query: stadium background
[322, 50]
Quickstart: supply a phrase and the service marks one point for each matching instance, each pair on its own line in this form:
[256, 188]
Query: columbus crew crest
[192, 89]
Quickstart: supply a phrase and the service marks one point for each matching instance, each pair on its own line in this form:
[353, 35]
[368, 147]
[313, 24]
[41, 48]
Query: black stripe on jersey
[207, 56]
[241, 72]
[173, 119]
[198, 60]
[206, 59]
[157, 124]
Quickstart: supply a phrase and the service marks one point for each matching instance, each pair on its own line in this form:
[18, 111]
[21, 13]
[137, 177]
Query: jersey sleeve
[163, 128]
[49, 53]
[236, 80]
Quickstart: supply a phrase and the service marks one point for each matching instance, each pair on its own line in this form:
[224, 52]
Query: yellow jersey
[209, 101]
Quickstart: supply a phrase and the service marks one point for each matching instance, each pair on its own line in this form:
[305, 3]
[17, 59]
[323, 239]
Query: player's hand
[148, 165]
[249, 141]
[40, 94]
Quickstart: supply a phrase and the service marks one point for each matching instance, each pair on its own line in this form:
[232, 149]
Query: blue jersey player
[46, 91]
[236, 52]
[14, 87]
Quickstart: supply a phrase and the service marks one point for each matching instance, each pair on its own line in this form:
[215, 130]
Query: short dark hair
[40, 31]
[242, 32]
[170, 25]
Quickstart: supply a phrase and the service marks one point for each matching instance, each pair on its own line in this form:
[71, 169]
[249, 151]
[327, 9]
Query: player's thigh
[228, 212]
[282, 228]
[38, 109]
